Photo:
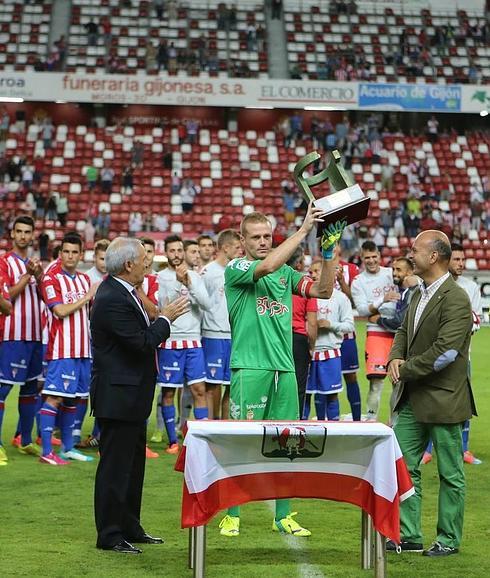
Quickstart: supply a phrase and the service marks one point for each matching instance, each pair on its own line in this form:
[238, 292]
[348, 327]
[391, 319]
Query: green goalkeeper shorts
[263, 394]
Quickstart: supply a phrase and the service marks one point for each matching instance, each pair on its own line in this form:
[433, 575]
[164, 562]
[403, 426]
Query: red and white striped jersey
[350, 271]
[69, 338]
[150, 287]
[4, 291]
[24, 323]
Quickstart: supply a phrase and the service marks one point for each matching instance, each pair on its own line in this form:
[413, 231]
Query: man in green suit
[428, 365]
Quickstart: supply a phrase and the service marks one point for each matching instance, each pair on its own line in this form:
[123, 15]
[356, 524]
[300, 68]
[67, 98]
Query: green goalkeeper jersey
[261, 315]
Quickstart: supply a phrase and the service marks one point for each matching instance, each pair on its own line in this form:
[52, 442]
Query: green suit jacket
[435, 375]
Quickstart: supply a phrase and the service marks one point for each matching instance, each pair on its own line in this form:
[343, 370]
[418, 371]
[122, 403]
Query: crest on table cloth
[294, 441]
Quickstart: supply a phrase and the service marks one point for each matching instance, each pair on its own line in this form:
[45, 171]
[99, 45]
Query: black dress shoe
[146, 539]
[403, 546]
[437, 549]
[123, 547]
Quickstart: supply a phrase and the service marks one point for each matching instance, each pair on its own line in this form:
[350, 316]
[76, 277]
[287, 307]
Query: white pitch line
[305, 569]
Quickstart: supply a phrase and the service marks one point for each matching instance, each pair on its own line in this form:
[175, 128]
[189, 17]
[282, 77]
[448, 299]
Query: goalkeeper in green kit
[259, 290]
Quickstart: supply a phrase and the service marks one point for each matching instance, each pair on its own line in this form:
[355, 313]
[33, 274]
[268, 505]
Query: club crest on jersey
[293, 442]
[282, 281]
[265, 306]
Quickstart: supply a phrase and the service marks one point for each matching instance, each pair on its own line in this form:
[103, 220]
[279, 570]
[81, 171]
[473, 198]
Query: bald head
[431, 252]
[436, 241]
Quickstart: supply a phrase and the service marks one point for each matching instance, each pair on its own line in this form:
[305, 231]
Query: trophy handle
[304, 183]
[337, 174]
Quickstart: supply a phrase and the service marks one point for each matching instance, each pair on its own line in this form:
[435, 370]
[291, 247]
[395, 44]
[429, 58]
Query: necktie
[134, 293]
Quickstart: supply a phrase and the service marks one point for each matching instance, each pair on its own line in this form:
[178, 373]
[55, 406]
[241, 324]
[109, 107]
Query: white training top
[369, 289]
[338, 310]
[185, 331]
[215, 322]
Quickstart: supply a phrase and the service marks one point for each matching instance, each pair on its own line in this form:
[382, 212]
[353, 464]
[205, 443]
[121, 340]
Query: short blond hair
[253, 218]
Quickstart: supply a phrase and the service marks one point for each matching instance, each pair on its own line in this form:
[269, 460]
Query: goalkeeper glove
[331, 236]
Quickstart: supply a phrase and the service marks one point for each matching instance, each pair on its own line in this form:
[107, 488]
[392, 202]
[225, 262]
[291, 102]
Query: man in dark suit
[123, 383]
[428, 364]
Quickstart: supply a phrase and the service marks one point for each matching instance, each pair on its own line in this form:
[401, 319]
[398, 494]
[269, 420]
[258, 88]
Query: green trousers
[413, 437]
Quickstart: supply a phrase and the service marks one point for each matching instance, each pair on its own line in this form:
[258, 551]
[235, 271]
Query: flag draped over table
[231, 463]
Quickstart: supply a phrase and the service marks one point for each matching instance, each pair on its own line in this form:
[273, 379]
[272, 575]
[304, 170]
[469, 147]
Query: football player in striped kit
[21, 359]
[334, 319]
[181, 357]
[67, 293]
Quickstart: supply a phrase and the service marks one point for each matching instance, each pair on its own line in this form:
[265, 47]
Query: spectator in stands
[162, 55]
[27, 177]
[192, 128]
[106, 179]
[47, 130]
[62, 209]
[378, 235]
[52, 207]
[289, 203]
[160, 222]
[261, 37]
[433, 129]
[127, 180]
[89, 232]
[188, 193]
[150, 56]
[148, 222]
[251, 37]
[29, 204]
[172, 58]
[137, 153]
[296, 129]
[114, 63]
[4, 123]
[61, 47]
[106, 26]
[175, 183]
[172, 9]
[398, 224]
[232, 18]
[135, 224]
[222, 15]
[167, 157]
[43, 243]
[40, 201]
[38, 166]
[386, 220]
[102, 224]
[92, 32]
[159, 6]
[276, 9]
[92, 175]
[387, 172]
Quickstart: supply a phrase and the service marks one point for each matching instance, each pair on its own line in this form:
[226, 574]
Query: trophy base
[348, 205]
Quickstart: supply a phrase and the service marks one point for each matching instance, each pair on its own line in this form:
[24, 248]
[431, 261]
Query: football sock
[39, 404]
[234, 511]
[320, 406]
[159, 416]
[27, 410]
[201, 412]
[354, 397]
[67, 421]
[428, 449]
[96, 429]
[306, 407]
[168, 414]
[374, 395]
[47, 420]
[80, 412]
[333, 409]
[4, 391]
[466, 435]
[283, 509]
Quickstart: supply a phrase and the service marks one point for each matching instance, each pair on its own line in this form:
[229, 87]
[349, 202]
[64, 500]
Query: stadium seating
[314, 35]
[237, 173]
[24, 33]
[134, 27]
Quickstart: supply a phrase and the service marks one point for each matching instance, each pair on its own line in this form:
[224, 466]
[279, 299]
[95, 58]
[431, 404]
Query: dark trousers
[301, 355]
[119, 481]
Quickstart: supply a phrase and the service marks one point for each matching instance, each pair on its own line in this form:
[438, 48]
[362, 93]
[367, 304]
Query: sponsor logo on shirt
[72, 296]
[271, 308]
[241, 265]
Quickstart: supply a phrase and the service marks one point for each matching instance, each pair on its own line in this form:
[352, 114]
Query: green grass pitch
[47, 528]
